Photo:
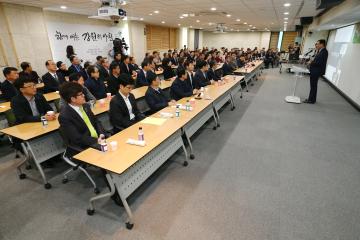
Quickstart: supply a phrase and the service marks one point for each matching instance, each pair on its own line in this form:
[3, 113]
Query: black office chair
[70, 151]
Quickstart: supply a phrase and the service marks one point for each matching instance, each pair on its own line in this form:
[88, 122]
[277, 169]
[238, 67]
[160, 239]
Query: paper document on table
[154, 121]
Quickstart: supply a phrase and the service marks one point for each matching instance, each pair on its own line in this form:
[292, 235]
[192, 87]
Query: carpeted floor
[273, 170]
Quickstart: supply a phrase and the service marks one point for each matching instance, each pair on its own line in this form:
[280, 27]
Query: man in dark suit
[123, 109]
[52, 79]
[189, 67]
[76, 119]
[142, 75]
[114, 81]
[94, 83]
[28, 105]
[125, 65]
[180, 88]
[7, 87]
[200, 79]
[27, 69]
[317, 69]
[75, 65]
[104, 69]
[154, 96]
[211, 72]
[227, 68]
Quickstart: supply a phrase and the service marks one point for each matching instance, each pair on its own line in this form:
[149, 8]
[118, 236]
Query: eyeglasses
[29, 86]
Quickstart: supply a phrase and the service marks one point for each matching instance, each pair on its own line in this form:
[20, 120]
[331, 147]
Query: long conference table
[250, 71]
[129, 166]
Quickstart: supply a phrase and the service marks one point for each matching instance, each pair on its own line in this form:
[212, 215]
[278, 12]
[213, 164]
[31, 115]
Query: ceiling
[260, 14]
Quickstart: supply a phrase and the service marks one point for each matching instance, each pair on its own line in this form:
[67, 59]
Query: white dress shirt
[128, 104]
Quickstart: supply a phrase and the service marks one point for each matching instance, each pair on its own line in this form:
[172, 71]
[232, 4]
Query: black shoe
[307, 101]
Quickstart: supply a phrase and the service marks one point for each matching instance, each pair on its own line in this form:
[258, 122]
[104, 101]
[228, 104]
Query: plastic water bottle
[177, 112]
[141, 134]
[103, 143]
[187, 106]
[44, 121]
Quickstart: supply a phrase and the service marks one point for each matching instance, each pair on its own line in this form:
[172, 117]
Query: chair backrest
[10, 117]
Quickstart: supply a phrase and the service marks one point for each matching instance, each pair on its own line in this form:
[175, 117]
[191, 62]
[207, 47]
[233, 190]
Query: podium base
[292, 99]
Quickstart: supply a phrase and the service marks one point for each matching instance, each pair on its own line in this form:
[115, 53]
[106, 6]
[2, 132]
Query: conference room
[166, 119]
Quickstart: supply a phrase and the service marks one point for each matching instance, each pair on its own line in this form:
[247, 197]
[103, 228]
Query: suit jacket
[119, 113]
[156, 100]
[84, 74]
[240, 63]
[168, 72]
[8, 90]
[50, 83]
[180, 89]
[33, 75]
[104, 74]
[174, 61]
[227, 69]
[22, 110]
[113, 84]
[190, 80]
[318, 65]
[75, 129]
[212, 75]
[73, 69]
[96, 87]
[141, 79]
[200, 80]
[124, 69]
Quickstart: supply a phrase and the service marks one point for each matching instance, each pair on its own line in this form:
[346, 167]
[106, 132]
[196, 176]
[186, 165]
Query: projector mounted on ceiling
[220, 28]
[111, 10]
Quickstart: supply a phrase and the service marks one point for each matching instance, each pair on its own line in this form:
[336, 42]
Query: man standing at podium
[317, 69]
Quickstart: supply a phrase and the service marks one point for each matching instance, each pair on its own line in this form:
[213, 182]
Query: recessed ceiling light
[156, 11]
[250, 25]
[228, 15]
[185, 15]
[210, 23]
[287, 4]
[213, 9]
[150, 14]
[181, 17]
[63, 7]
[253, 27]
[162, 22]
[201, 28]
[238, 20]
[285, 22]
[248, 29]
[232, 29]
[245, 23]
[286, 18]
[190, 26]
[141, 19]
[238, 30]
[179, 24]
[286, 13]
[124, 3]
[197, 21]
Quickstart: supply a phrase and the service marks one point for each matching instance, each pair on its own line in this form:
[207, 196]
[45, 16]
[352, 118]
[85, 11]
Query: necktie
[86, 119]
[56, 77]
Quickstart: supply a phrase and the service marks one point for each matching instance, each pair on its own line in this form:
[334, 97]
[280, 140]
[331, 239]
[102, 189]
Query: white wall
[238, 39]
[191, 37]
[310, 39]
[137, 40]
[183, 37]
[201, 37]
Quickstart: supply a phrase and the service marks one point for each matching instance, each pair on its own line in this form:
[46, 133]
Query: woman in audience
[70, 51]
